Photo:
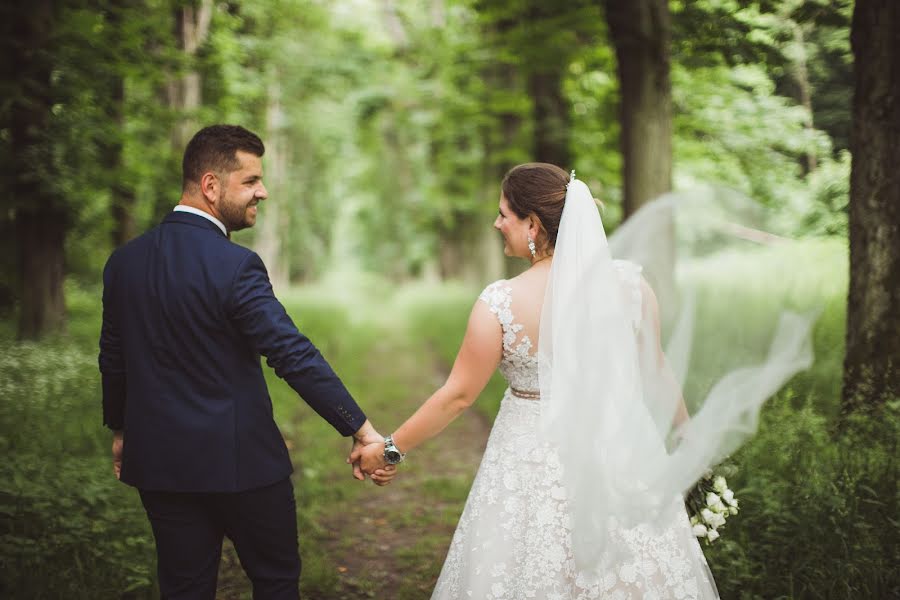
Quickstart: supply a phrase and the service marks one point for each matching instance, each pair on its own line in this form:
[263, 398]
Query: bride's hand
[384, 476]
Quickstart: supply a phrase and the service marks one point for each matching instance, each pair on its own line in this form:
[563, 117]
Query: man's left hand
[117, 445]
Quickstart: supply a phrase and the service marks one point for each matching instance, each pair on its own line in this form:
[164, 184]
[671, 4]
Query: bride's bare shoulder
[529, 282]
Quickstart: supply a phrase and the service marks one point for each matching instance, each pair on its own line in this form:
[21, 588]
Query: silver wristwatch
[392, 454]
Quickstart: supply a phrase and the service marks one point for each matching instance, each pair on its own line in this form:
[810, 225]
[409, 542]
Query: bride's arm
[651, 313]
[476, 361]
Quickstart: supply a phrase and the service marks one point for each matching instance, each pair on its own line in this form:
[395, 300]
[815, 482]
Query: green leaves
[67, 527]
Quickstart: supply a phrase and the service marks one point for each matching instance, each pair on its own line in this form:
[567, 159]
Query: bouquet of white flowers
[710, 503]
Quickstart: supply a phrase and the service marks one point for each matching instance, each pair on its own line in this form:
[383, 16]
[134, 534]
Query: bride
[579, 492]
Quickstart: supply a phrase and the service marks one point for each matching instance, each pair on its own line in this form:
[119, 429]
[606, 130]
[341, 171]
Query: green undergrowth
[819, 497]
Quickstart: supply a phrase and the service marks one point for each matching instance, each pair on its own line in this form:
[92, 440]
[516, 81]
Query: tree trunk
[872, 363]
[804, 90]
[182, 92]
[123, 196]
[641, 33]
[393, 24]
[40, 223]
[272, 217]
[551, 117]
[42, 236]
[503, 134]
[191, 28]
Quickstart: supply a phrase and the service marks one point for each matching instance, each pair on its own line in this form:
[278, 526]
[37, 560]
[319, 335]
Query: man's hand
[118, 443]
[370, 458]
[367, 434]
[357, 472]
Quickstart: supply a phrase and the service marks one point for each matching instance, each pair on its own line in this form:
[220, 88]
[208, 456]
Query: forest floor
[389, 542]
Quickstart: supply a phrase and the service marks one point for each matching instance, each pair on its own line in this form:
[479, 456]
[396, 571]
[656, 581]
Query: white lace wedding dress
[513, 541]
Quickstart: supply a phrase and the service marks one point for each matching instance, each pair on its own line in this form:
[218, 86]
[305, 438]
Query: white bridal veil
[611, 398]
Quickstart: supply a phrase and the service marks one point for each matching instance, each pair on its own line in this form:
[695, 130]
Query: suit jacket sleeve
[111, 359]
[259, 315]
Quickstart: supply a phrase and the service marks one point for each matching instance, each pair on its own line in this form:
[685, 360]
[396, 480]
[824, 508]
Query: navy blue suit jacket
[186, 316]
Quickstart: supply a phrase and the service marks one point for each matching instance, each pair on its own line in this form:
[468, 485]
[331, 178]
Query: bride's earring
[532, 247]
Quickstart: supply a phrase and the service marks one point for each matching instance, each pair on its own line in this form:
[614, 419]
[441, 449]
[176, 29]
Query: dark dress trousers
[186, 316]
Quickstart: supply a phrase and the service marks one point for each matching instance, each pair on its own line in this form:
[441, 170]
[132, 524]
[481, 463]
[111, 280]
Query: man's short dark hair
[215, 148]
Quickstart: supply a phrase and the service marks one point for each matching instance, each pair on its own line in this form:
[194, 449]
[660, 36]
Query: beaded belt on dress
[527, 395]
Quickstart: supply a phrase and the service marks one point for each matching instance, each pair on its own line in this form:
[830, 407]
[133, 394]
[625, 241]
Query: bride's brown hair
[538, 189]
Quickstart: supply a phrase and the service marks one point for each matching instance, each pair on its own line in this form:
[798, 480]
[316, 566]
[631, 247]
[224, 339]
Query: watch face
[392, 456]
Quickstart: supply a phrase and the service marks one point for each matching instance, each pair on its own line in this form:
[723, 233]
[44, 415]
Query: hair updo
[539, 189]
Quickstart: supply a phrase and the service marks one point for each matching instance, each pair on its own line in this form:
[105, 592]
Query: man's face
[241, 191]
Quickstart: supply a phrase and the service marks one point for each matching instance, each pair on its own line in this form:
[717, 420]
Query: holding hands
[367, 456]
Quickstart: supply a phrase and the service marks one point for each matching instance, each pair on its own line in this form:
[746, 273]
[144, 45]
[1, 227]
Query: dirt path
[393, 545]
[388, 542]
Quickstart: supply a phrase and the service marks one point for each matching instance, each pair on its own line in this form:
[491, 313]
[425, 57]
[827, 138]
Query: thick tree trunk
[40, 223]
[551, 117]
[872, 363]
[641, 33]
[42, 236]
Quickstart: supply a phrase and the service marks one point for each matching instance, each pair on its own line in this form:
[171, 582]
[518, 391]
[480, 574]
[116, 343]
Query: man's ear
[210, 187]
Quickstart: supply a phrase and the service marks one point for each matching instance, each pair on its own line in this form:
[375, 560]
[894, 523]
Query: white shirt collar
[205, 215]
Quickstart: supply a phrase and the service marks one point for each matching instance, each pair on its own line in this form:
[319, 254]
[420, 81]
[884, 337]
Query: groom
[186, 316]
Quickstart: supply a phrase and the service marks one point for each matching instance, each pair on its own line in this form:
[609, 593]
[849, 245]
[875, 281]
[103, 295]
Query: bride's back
[526, 301]
[527, 294]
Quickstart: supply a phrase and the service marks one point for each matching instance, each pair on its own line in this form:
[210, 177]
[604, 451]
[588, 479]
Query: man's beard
[233, 214]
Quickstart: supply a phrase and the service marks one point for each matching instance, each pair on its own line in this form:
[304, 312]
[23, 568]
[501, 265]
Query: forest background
[388, 127]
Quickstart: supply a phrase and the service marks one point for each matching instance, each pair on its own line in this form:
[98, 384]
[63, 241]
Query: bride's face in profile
[513, 229]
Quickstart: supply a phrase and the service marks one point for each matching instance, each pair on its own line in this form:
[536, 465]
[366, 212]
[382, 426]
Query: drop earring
[532, 247]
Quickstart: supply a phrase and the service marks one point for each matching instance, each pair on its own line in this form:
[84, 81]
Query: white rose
[707, 515]
[712, 535]
[717, 520]
[719, 484]
[699, 530]
[719, 507]
[712, 499]
[728, 496]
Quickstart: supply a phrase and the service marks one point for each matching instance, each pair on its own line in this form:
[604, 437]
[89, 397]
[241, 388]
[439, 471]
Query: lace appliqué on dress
[518, 364]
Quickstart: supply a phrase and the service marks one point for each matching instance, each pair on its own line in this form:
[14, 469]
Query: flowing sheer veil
[610, 397]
